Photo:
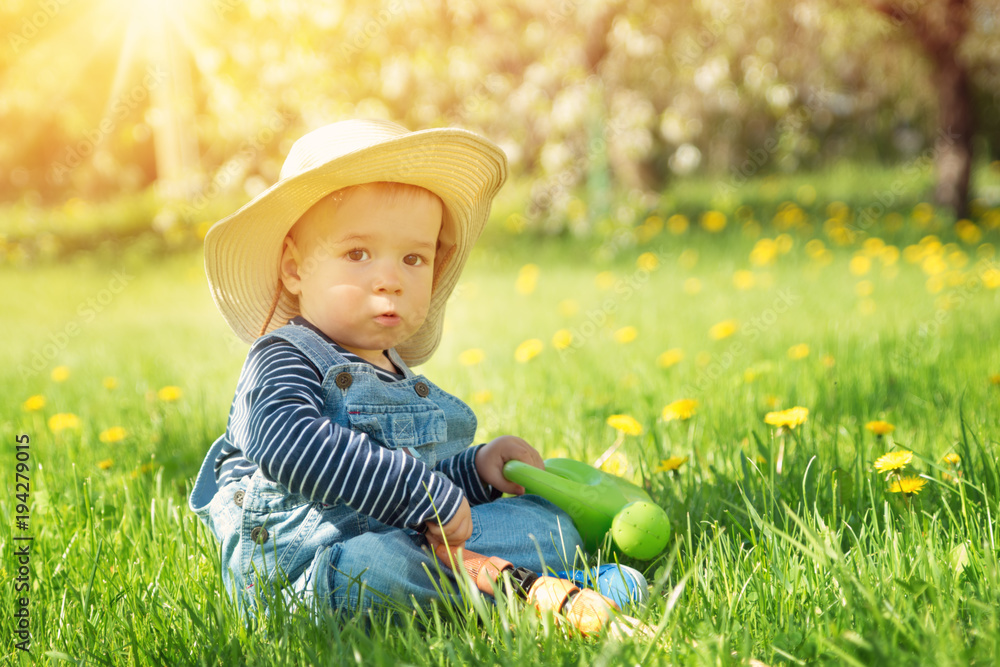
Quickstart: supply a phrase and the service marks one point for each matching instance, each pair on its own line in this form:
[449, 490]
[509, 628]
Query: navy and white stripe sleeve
[277, 422]
[461, 469]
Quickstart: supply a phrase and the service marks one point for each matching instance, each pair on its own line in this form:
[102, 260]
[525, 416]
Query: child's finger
[534, 458]
[527, 454]
[506, 486]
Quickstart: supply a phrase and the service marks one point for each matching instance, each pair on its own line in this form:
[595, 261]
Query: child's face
[362, 268]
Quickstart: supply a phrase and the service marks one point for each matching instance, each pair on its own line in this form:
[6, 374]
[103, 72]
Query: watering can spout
[597, 502]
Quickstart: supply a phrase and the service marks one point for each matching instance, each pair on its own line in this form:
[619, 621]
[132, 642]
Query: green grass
[815, 563]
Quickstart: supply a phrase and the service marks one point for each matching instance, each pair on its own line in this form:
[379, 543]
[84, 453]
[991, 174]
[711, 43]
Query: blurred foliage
[599, 97]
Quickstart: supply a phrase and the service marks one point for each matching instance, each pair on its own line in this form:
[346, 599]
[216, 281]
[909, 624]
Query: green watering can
[598, 502]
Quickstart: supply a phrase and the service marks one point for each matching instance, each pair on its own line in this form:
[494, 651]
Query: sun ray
[126, 60]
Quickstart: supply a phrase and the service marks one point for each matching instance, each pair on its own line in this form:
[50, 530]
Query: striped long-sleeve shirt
[277, 424]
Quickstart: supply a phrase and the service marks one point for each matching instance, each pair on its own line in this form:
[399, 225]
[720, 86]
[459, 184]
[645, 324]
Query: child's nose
[388, 279]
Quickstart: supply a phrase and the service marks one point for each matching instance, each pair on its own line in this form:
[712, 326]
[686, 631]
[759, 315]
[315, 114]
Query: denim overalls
[331, 554]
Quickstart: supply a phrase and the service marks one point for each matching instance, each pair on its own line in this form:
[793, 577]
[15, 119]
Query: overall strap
[400, 364]
[317, 350]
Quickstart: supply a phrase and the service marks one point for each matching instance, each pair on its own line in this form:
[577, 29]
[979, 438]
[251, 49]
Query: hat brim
[243, 251]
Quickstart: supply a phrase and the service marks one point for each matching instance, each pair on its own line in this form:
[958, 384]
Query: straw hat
[243, 251]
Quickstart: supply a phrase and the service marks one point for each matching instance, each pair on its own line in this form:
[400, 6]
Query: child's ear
[291, 261]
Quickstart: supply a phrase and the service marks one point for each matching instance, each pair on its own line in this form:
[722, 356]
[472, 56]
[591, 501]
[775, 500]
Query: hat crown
[336, 140]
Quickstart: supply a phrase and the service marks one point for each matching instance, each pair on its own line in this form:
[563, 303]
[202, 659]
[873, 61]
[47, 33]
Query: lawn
[788, 545]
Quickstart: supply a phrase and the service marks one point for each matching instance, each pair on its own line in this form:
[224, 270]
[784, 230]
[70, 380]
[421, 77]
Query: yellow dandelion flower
[872, 246]
[880, 428]
[995, 379]
[934, 284]
[35, 403]
[616, 464]
[889, 255]
[568, 307]
[743, 280]
[110, 382]
[484, 396]
[105, 464]
[63, 421]
[681, 409]
[671, 464]
[723, 329]
[713, 221]
[933, 265]
[815, 249]
[692, 286]
[859, 265]
[647, 261]
[789, 418]
[650, 228]
[893, 460]
[169, 393]
[528, 350]
[626, 334]
[677, 224]
[931, 244]
[471, 357]
[527, 279]
[764, 252]
[800, 351]
[113, 434]
[908, 485]
[952, 459]
[913, 254]
[670, 357]
[60, 373]
[604, 280]
[625, 424]
[562, 339]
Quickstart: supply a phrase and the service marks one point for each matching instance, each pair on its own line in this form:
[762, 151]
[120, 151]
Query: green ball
[641, 530]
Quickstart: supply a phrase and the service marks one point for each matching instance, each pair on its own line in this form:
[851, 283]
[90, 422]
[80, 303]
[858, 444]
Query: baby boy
[340, 469]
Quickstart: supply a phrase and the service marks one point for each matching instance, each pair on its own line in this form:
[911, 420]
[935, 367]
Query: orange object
[484, 570]
[586, 611]
[590, 612]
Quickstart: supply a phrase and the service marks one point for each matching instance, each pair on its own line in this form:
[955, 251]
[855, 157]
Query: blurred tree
[579, 93]
[940, 27]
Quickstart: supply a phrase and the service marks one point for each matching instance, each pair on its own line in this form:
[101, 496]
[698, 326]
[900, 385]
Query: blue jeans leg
[528, 531]
[390, 563]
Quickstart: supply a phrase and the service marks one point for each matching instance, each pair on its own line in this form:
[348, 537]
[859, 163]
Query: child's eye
[357, 255]
[413, 260]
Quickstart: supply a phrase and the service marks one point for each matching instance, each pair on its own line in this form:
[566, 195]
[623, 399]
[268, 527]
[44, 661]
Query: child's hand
[492, 457]
[456, 531]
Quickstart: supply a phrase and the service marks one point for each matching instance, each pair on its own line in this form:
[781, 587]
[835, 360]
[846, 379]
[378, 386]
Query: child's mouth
[388, 319]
